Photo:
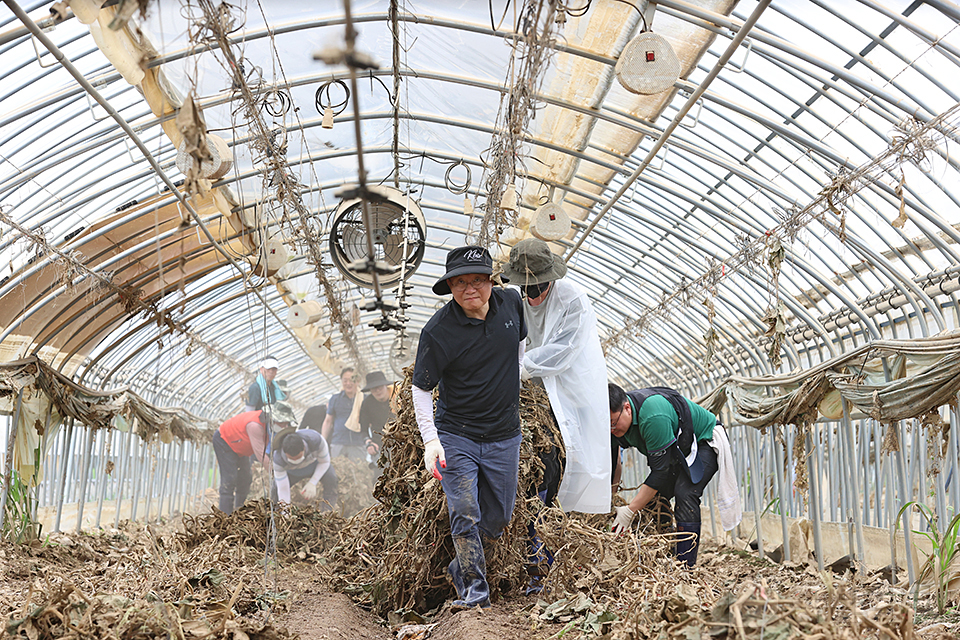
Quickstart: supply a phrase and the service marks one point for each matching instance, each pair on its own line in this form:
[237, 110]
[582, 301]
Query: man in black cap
[375, 412]
[676, 435]
[472, 348]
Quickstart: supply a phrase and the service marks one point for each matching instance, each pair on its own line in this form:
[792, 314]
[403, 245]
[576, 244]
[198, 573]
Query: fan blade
[353, 242]
[393, 248]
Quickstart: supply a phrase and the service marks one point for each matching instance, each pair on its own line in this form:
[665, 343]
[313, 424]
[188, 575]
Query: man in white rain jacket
[563, 351]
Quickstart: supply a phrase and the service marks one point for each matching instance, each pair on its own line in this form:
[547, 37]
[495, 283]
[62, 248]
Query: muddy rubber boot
[469, 568]
[687, 547]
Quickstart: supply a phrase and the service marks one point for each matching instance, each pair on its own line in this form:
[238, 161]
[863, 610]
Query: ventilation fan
[403, 352]
[392, 218]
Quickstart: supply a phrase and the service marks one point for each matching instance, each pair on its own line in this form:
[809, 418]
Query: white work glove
[432, 452]
[309, 491]
[524, 374]
[625, 516]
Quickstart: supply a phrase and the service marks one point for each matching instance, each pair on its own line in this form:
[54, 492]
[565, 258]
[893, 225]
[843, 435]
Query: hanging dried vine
[532, 48]
[911, 143]
[268, 146]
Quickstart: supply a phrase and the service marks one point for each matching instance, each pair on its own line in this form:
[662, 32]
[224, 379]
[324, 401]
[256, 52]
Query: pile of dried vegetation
[392, 557]
[136, 583]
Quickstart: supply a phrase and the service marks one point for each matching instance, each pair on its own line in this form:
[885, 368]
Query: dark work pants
[687, 495]
[235, 475]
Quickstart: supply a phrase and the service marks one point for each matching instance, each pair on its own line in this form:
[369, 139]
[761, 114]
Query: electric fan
[393, 218]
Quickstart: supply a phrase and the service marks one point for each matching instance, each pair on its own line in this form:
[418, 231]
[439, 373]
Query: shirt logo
[508, 324]
[474, 255]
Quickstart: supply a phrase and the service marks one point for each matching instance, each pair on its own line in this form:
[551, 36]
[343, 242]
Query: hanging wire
[451, 184]
[324, 99]
[276, 102]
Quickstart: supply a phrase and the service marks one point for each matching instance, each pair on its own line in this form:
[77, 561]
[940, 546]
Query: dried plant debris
[214, 575]
[393, 555]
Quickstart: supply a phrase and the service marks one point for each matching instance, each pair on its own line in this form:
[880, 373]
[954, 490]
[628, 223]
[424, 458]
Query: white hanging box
[307, 312]
[648, 65]
[550, 222]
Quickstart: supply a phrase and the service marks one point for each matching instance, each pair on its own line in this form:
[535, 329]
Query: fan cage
[348, 239]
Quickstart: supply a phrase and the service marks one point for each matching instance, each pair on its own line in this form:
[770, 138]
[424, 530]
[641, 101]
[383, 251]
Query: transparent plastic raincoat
[563, 349]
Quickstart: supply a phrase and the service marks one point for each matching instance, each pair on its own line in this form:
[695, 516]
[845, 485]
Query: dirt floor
[161, 582]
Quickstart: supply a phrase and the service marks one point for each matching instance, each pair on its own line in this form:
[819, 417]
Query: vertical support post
[865, 463]
[125, 464]
[139, 463]
[8, 468]
[755, 475]
[151, 464]
[854, 477]
[163, 469]
[84, 475]
[904, 499]
[832, 464]
[177, 492]
[891, 516]
[954, 460]
[102, 472]
[64, 463]
[813, 470]
[778, 466]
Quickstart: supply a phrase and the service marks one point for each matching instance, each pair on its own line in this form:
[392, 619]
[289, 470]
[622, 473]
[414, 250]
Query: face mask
[535, 290]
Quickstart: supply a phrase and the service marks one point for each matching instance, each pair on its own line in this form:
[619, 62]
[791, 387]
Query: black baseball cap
[463, 260]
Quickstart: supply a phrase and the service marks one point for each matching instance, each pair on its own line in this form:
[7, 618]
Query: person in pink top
[235, 441]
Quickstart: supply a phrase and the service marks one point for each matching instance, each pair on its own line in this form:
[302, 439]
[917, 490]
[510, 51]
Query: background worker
[679, 438]
[375, 412]
[237, 439]
[303, 454]
[341, 426]
[472, 348]
[563, 352]
[264, 390]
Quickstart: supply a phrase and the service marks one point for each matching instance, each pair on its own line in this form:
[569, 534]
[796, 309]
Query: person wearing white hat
[264, 390]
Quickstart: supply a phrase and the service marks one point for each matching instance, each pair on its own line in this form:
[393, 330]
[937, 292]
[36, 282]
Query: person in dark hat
[563, 355]
[472, 348]
[239, 438]
[676, 435]
[303, 454]
[375, 412]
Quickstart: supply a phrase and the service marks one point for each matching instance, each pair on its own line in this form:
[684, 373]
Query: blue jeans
[235, 475]
[480, 483]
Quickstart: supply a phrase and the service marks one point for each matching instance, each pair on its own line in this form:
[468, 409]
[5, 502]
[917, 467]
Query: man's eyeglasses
[613, 423]
[460, 284]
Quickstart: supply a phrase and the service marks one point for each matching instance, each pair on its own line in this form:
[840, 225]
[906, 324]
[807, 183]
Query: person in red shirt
[235, 441]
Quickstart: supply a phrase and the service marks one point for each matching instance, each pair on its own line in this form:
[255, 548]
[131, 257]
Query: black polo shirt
[476, 363]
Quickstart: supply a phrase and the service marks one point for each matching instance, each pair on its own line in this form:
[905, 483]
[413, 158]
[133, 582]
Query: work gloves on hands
[432, 452]
[309, 491]
[625, 516]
